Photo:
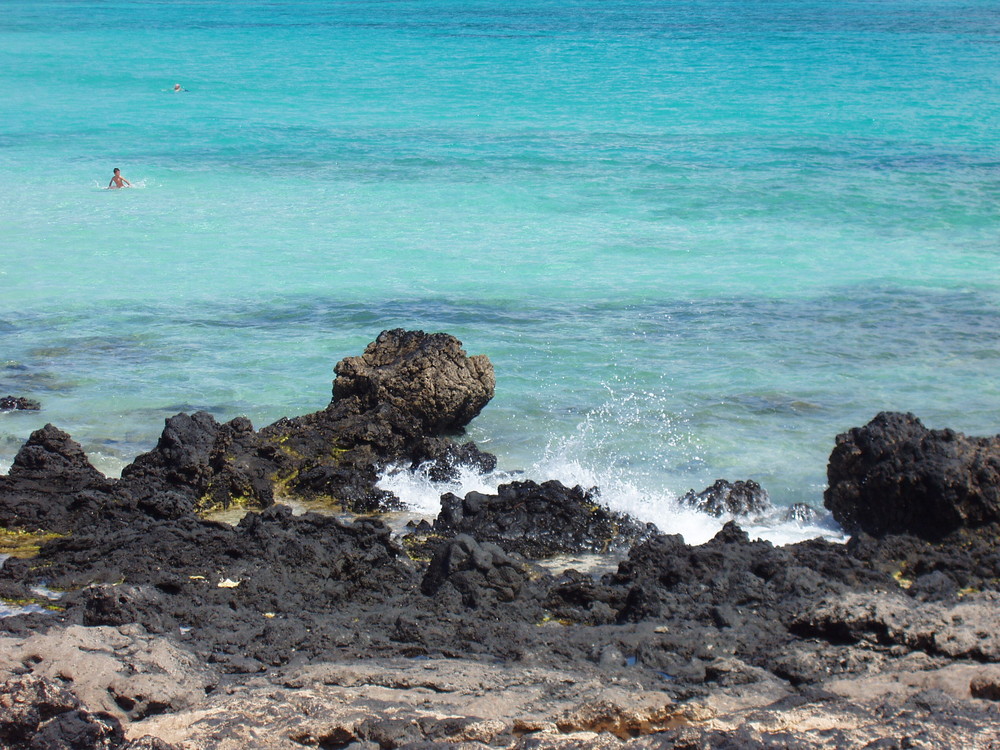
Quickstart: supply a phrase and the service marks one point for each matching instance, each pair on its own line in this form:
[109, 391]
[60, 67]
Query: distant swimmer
[118, 181]
[177, 88]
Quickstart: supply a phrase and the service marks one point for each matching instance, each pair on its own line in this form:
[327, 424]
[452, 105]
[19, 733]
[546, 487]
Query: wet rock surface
[538, 520]
[18, 403]
[740, 498]
[290, 631]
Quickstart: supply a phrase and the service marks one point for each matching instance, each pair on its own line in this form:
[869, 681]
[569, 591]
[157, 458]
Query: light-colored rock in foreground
[156, 689]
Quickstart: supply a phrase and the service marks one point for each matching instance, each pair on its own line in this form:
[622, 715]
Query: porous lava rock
[539, 520]
[428, 377]
[397, 404]
[740, 498]
[208, 613]
[895, 476]
[729, 596]
[51, 485]
[968, 560]
[249, 591]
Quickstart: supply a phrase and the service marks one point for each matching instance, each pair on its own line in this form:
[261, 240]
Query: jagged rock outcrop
[740, 498]
[149, 609]
[426, 377]
[477, 572]
[398, 403]
[51, 485]
[895, 476]
[208, 464]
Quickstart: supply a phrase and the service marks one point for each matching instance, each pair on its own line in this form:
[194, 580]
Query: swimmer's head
[117, 170]
[177, 87]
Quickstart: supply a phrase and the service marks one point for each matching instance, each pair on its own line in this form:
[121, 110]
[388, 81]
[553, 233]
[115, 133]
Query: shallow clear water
[696, 239]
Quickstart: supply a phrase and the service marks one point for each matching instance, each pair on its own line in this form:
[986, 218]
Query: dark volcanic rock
[207, 463]
[396, 404]
[51, 484]
[538, 520]
[445, 458]
[218, 579]
[730, 596]
[478, 572]
[733, 498]
[800, 513]
[141, 573]
[894, 476]
[964, 560]
[16, 403]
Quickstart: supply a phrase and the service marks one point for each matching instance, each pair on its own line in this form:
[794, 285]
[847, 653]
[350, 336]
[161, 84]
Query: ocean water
[697, 239]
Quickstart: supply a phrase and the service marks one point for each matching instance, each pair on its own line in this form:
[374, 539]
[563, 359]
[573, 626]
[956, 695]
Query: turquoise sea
[697, 238]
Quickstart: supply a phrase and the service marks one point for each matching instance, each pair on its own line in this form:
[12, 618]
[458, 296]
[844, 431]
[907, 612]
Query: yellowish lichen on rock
[24, 544]
[548, 619]
[418, 547]
[207, 507]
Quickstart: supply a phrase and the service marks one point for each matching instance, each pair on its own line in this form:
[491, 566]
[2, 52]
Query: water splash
[634, 483]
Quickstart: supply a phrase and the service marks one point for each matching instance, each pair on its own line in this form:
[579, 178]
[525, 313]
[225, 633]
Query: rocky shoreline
[159, 628]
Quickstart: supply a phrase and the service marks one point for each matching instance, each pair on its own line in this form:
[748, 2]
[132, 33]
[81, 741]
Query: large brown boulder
[895, 476]
[427, 377]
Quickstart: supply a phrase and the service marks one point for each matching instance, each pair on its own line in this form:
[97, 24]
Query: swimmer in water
[177, 88]
[118, 181]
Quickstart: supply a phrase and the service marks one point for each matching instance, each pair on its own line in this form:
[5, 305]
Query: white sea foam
[135, 185]
[422, 495]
